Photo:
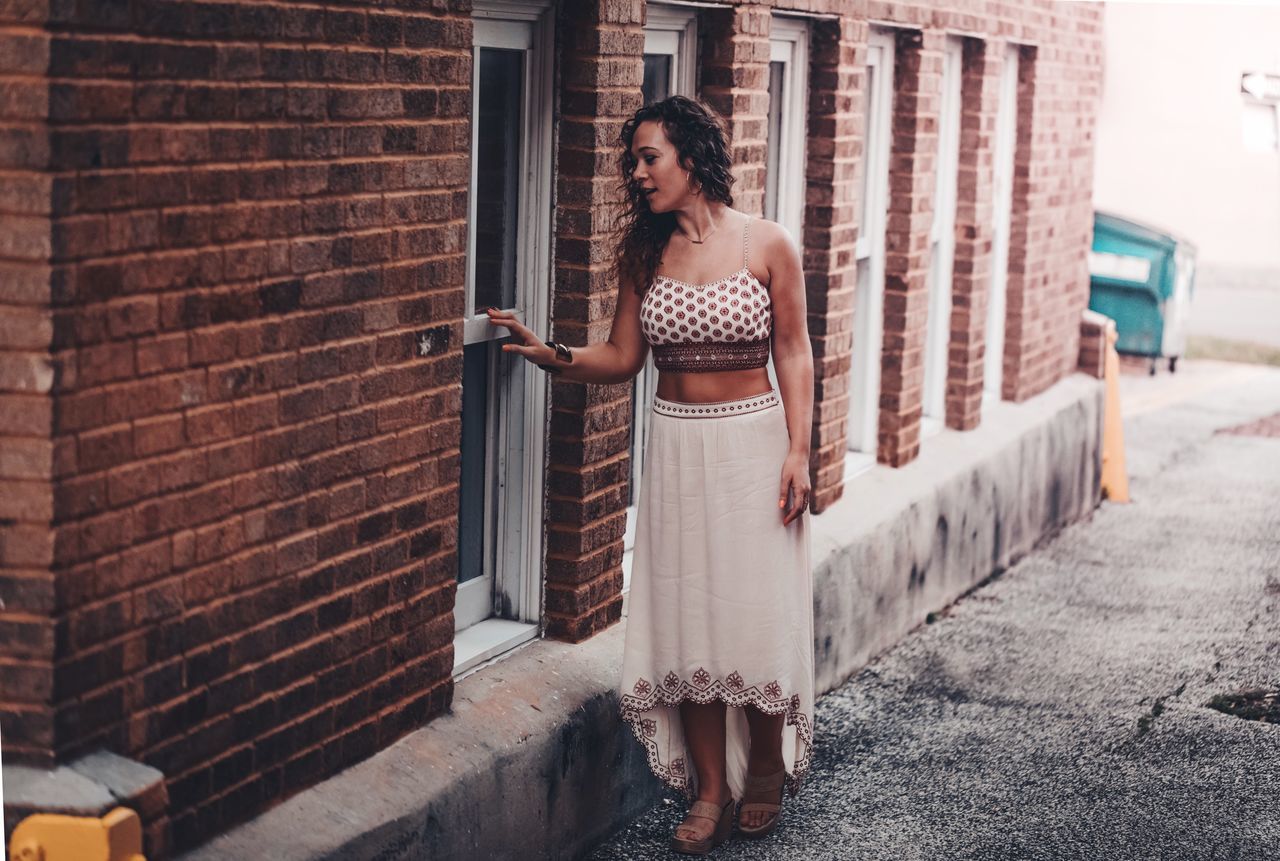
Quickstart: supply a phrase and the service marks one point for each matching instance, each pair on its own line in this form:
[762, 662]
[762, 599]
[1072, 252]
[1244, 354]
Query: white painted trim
[868, 334]
[485, 640]
[473, 599]
[510, 10]
[526, 588]
[789, 44]
[1002, 200]
[942, 239]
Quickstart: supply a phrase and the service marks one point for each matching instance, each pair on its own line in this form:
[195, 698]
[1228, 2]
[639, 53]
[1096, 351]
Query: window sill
[856, 463]
[486, 640]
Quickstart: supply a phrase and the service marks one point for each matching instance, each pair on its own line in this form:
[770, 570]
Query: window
[670, 45]
[503, 397]
[784, 191]
[784, 184]
[942, 242]
[868, 311]
[1002, 197]
[670, 40]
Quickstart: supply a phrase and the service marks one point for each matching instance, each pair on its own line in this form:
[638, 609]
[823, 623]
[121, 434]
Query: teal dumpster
[1142, 278]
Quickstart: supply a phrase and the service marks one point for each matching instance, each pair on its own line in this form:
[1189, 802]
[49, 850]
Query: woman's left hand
[795, 478]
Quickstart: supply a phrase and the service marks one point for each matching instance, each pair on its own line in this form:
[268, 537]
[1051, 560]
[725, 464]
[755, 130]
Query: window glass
[473, 487]
[777, 69]
[657, 78]
[497, 158]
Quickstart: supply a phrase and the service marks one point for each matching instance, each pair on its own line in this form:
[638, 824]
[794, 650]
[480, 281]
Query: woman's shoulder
[766, 234]
[769, 243]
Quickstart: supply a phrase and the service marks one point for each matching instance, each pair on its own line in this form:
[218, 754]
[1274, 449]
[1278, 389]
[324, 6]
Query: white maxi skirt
[721, 603]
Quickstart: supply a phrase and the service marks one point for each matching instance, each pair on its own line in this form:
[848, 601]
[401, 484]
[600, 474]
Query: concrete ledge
[902, 543]
[533, 762]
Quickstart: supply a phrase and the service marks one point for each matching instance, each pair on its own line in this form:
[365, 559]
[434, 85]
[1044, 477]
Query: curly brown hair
[697, 133]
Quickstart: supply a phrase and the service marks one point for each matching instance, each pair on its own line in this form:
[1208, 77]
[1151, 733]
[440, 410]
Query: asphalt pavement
[1060, 711]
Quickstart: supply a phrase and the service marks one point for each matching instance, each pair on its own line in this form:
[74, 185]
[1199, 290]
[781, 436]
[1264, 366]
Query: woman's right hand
[527, 344]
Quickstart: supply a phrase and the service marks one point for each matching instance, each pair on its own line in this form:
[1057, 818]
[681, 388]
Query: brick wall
[27, 594]
[233, 265]
[1058, 85]
[257, 245]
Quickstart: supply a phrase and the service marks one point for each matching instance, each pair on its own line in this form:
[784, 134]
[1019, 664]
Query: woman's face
[658, 170]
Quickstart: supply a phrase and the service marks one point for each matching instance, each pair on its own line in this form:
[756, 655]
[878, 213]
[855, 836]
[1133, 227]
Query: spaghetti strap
[745, 227]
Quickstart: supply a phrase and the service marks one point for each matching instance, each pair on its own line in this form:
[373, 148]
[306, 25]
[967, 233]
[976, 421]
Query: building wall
[28, 601]
[253, 218]
[253, 273]
[1172, 107]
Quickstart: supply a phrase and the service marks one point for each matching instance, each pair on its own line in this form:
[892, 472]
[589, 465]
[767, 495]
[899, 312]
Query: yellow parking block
[53, 837]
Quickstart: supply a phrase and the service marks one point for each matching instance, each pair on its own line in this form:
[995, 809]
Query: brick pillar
[602, 69]
[1027, 263]
[1092, 358]
[975, 213]
[735, 82]
[837, 89]
[916, 80]
[27, 595]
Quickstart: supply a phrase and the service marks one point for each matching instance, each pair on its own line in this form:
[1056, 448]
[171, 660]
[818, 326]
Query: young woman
[717, 677]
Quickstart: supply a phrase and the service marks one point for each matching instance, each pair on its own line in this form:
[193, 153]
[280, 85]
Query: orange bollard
[53, 837]
[1115, 479]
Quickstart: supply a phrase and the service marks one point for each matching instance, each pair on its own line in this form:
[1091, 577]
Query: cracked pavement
[1059, 711]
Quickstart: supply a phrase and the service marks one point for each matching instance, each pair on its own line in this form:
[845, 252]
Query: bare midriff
[711, 386]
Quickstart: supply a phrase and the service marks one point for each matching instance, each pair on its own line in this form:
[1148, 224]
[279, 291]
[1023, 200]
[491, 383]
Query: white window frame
[942, 242]
[784, 195]
[1002, 200]
[868, 322]
[517, 464]
[785, 192]
[670, 30]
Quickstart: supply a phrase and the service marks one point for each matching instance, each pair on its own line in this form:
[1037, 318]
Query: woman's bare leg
[704, 735]
[765, 757]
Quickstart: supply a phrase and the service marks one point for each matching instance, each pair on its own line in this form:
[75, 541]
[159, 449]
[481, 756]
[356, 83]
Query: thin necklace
[714, 228]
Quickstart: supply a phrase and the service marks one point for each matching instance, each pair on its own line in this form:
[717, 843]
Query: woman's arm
[792, 359]
[615, 360]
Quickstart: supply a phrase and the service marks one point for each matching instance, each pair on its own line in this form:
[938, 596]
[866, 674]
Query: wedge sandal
[762, 786]
[721, 816]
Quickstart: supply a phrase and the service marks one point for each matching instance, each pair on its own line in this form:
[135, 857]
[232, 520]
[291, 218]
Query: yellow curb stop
[1115, 479]
[54, 837]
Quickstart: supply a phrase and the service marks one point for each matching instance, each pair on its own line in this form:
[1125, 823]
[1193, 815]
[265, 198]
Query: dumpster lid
[1149, 232]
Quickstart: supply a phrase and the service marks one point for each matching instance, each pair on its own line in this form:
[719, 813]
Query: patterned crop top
[722, 325]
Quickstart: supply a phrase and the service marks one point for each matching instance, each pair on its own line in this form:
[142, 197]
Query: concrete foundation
[902, 543]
